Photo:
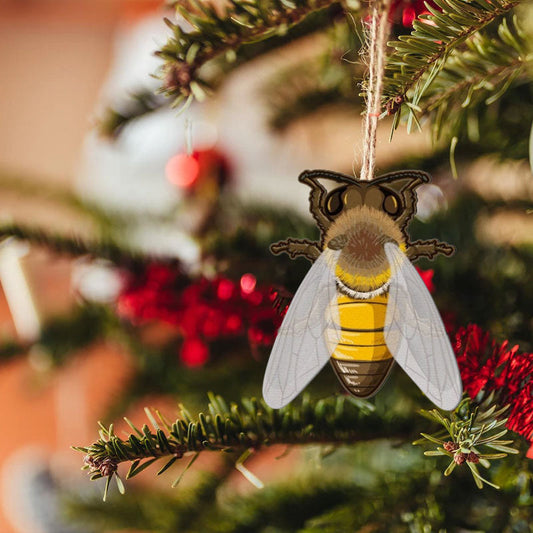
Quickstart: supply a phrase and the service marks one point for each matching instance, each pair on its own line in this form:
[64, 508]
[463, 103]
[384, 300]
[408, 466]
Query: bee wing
[415, 334]
[308, 335]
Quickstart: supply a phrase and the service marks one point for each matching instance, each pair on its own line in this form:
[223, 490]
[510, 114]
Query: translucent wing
[415, 334]
[308, 335]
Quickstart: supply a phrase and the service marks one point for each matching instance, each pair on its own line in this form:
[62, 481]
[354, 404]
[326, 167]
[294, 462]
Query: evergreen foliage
[465, 66]
[326, 500]
[470, 428]
[333, 421]
[435, 35]
[462, 56]
[241, 23]
[75, 246]
[233, 427]
[331, 77]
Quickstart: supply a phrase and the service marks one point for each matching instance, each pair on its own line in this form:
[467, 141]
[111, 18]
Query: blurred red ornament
[406, 11]
[427, 278]
[182, 170]
[225, 289]
[212, 323]
[194, 352]
[233, 325]
[200, 168]
[248, 283]
[408, 15]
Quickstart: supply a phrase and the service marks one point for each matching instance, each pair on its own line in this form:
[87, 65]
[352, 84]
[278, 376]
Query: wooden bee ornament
[362, 304]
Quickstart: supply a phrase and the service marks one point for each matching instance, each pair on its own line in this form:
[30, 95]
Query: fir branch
[475, 432]
[75, 246]
[64, 336]
[323, 80]
[357, 494]
[419, 57]
[497, 74]
[234, 428]
[242, 22]
[10, 350]
[308, 102]
[295, 504]
[39, 187]
[147, 510]
[476, 76]
[140, 103]
[324, 501]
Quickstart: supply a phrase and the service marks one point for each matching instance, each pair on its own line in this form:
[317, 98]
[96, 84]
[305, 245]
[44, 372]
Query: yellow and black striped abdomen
[361, 359]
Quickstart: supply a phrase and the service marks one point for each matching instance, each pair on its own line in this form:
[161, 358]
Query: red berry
[194, 352]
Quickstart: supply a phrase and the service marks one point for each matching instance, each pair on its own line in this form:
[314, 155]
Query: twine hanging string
[377, 35]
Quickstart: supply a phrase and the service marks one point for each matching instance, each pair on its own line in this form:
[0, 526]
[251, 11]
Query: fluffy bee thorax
[361, 233]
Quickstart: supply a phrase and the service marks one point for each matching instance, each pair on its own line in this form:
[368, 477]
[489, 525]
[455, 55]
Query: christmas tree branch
[491, 77]
[38, 187]
[63, 336]
[325, 79]
[75, 246]
[11, 349]
[307, 102]
[309, 503]
[419, 57]
[139, 103]
[143, 102]
[476, 76]
[234, 428]
[332, 499]
[183, 512]
[241, 24]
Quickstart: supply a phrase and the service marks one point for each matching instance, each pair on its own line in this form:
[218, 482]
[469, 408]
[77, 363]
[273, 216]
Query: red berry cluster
[204, 310]
[490, 366]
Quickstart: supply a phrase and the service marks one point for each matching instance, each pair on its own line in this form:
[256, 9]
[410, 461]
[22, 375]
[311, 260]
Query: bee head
[359, 217]
[392, 194]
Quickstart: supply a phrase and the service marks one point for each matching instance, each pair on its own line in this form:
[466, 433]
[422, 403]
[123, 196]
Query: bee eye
[334, 203]
[391, 205]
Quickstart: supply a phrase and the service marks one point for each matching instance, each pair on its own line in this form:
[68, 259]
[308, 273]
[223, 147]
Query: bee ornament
[362, 304]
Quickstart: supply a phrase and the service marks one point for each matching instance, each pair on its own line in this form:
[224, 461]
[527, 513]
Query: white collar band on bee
[359, 295]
